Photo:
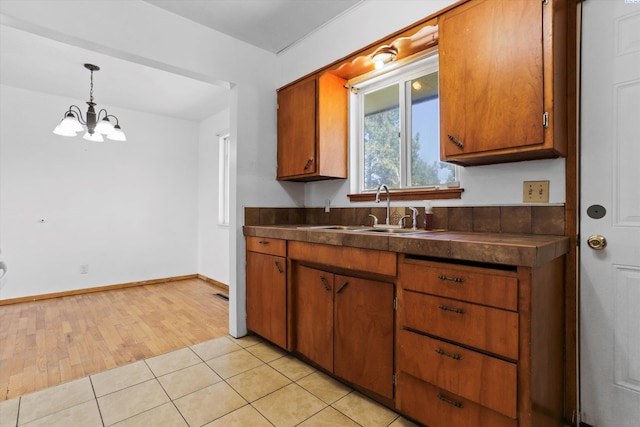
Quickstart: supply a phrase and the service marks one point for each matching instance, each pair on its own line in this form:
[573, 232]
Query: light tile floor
[222, 382]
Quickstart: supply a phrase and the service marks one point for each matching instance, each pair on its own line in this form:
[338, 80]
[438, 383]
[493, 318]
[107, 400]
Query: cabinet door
[363, 333]
[297, 129]
[491, 78]
[267, 297]
[313, 308]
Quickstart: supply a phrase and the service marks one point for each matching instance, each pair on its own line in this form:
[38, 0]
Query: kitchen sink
[394, 230]
[333, 227]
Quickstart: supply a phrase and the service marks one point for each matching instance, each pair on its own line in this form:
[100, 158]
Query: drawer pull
[456, 142]
[451, 309]
[449, 401]
[324, 282]
[444, 353]
[279, 267]
[309, 162]
[452, 279]
[342, 287]
[263, 242]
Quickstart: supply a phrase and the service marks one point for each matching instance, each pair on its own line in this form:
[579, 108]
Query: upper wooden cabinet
[503, 81]
[312, 129]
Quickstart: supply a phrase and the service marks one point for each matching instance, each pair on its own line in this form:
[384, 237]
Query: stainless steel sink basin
[333, 227]
[394, 230]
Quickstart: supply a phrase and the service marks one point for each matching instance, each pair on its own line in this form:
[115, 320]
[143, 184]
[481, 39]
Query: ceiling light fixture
[96, 126]
[383, 55]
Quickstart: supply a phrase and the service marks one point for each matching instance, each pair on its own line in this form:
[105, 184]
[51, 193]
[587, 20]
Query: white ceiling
[36, 62]
[272, 25]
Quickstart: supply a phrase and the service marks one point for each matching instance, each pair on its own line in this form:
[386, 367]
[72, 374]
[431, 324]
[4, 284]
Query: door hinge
[545, 120]
[395, 303]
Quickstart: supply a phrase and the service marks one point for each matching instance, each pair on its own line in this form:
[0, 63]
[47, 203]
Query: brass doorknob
[597, 242]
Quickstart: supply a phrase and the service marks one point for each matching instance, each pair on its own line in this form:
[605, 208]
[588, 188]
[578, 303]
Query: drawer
[485, 328]
[435, 407]
[267, 246]
[483, 379]
[485, 286]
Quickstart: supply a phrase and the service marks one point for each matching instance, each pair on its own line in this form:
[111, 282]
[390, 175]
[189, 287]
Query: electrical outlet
[84, 269]
[535, 192]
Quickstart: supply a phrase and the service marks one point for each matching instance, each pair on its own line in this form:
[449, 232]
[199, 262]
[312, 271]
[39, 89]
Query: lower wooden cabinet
[493, 356]
[345, 325]
[267, 289]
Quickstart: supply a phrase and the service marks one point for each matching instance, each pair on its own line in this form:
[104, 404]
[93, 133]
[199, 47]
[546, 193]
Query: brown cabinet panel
[483, 379]
[494, 74]
[313, 311]
[267, 297]
[312, 129]
[436, 407]
[363, 333]
[267, 246]
[474, 284]
[483, 328]
[297, 129]
[356, 259]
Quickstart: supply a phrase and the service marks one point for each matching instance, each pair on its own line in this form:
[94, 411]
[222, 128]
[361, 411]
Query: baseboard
[108, 288]
[214, 282]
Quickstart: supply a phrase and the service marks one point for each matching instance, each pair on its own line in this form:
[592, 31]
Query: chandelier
[96, 125]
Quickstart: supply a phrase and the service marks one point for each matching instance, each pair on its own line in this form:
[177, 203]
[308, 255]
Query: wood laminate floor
[50, 342]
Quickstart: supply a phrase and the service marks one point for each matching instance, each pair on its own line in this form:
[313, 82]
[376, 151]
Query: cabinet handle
[453, 310]
[324, 282]
[308, 165]
[456, 142]
[279, 267]
[263, 242]
[444, 353]
[342, 287]
[449, 401]
[452, 279]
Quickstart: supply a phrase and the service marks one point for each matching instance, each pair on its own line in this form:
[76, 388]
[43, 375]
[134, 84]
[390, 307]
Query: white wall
[213, 238]
[126, 209]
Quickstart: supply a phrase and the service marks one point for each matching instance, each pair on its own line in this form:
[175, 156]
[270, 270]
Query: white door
[610, 187]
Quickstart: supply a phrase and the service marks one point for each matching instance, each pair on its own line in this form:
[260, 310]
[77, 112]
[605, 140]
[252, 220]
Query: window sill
[445, 193]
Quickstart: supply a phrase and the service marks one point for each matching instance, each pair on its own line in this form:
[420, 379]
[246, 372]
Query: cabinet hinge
[545, 120]
[394, 379]
[395, 303]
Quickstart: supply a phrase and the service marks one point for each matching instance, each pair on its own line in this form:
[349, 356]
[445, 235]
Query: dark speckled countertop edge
[496, 248]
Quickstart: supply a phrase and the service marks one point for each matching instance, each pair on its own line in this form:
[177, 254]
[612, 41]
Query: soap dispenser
[428, 217]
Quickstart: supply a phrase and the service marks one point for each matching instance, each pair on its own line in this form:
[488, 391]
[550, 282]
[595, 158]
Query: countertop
[497, 248]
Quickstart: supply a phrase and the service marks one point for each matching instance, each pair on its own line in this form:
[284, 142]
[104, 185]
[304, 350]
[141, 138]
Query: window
[397, 122]
[223, 181]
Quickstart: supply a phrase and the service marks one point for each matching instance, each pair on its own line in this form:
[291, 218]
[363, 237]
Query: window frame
[224, 174]
[362, 85]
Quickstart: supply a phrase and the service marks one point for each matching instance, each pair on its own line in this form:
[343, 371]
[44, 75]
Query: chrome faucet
[388, 199]
[414, 217]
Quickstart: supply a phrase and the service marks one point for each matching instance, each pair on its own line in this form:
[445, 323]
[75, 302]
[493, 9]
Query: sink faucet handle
[375, 219]
[401, 220]
[414, 216]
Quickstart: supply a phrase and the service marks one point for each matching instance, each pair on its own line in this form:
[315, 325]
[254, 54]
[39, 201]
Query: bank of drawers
[458, 344]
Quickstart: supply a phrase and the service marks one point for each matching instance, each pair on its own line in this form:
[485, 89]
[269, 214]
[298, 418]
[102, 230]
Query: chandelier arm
[77, 112]
[111, 115]
[106, 115]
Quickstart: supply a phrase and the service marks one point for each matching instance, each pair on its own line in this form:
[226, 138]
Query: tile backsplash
[548, 220]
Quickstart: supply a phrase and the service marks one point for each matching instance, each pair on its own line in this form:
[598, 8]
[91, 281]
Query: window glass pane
[426, 168]
[381, 138]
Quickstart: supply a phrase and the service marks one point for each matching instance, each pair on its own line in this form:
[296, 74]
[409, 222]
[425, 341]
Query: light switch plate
[535, 192]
